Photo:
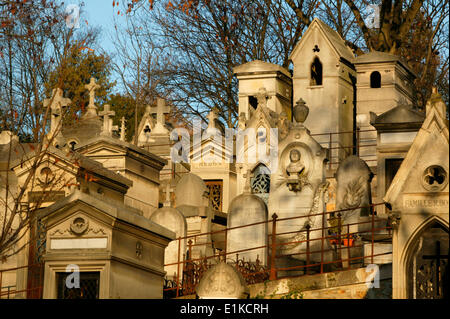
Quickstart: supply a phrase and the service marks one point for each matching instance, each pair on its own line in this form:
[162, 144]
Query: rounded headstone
[247, 209]
[222, 281]
[175, 221]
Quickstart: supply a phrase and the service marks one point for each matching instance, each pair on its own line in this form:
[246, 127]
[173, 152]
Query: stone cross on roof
[56, 102]
[122, 129]
[160, 110]
[91, 87]
[248, 176]
[108, 126]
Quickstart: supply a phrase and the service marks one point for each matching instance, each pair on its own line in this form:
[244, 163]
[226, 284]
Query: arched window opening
[260, 183]
[316, 72]
[375, 80]
[253, 101]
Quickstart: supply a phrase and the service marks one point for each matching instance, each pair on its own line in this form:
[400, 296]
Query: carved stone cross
[108, 126]
[91, 87]
[212, 117]
[57, 102]
[160, 110]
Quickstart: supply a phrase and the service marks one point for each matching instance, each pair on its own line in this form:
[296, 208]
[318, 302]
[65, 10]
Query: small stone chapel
[331, 170]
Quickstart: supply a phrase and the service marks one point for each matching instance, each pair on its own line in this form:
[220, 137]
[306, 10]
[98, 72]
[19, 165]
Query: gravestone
[222, 281]
[247, 209]
[174, 220]
[297, 189]
[353, 192]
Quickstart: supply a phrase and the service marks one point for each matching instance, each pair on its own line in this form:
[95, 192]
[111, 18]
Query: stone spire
[92, 108]
[108, 126]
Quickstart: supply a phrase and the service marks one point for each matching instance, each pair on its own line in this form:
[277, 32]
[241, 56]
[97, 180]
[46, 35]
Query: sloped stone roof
[381, 57]
[260, 66]
[333, 37]
[400, 116]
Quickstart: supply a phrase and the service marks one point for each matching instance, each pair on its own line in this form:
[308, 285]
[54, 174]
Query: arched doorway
[427, 265]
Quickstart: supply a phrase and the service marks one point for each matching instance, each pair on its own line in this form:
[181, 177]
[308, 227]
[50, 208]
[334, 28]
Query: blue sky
[99, 13]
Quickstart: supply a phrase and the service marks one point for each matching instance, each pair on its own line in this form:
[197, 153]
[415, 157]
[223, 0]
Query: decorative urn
[300, 111]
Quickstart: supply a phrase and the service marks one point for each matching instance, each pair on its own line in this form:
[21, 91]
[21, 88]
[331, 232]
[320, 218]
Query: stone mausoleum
[289, 203]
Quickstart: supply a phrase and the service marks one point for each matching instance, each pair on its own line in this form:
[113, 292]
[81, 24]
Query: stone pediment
[400, 117]
[103, 150]
[102, 213]
[425, 168]
[78, 224]
[334, 40]
[214, 151]
[262, 116]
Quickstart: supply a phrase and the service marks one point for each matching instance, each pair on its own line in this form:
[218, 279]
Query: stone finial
[122, 129]
[262, 97]
[108, 126]
[91, 87]
[436, 102]
[160, 110]
[301, 111]
[56, 102]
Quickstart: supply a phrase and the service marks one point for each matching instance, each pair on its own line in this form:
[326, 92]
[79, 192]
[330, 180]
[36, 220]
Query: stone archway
[426, 264]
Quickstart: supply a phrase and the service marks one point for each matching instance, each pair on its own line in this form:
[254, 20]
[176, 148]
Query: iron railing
[337, 237]
[34, 286]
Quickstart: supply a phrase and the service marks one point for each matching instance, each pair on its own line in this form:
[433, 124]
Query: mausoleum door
[215, 191]
[427, 267]
[88, 288]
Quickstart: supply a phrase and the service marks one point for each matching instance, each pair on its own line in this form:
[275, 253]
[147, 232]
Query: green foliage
[74, 72]
[125, 106]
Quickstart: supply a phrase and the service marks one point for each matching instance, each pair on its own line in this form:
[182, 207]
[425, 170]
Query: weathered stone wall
[349, 284]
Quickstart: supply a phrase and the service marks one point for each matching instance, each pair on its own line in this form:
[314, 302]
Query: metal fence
[337, 237]
[34, 286]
